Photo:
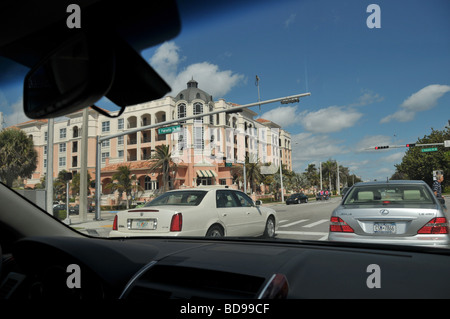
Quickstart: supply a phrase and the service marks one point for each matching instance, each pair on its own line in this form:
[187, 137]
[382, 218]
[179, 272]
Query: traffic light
[411, 145]
[381, 147]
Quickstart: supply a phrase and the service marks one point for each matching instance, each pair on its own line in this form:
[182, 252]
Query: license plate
[144, 224]
[384, 228]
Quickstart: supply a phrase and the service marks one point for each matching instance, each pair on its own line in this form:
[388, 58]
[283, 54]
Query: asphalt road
[306, 221]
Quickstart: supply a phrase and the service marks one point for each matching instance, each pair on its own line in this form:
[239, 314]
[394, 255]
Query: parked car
[57, 208]
[207, 212]
[297, 199]
[74, 210]
[393, 212]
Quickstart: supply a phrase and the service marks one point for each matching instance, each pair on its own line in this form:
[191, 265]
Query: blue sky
[368, 87]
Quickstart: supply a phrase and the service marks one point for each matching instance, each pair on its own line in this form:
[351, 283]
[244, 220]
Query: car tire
[215, 231]
[299, 201]
[269, 231]
[306, 200]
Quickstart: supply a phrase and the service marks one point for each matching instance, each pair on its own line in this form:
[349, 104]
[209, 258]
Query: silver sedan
[393, 212]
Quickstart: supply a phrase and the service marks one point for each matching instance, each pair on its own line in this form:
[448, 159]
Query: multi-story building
[204, 149]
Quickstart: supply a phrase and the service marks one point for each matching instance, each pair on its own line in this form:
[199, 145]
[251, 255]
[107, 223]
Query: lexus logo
[384, 212]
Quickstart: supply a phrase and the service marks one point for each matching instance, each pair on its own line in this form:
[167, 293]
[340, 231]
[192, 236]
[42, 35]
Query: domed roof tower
[192, 92]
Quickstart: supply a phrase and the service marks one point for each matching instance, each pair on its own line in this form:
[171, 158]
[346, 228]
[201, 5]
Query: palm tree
[17, 155]
[126, 183]
[253, 173]
[328, 169]
[164, 163]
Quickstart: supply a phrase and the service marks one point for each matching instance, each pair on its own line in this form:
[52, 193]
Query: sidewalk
[98, 228]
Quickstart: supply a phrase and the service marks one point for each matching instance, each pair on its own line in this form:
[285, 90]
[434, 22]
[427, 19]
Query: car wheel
[215, 231]
[299, 201]
[269, 231]
[306, 200]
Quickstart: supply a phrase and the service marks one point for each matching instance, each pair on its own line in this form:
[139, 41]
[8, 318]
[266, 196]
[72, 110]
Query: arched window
[198, 109]
[182, 111]
[147, 183]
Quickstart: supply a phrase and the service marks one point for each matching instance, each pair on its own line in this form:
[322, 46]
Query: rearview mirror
[74, 76]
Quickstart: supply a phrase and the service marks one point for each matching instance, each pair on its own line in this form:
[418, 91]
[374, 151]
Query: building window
[120, 154]
[62, 161]
[45, 149]
[105, 155]
[198, 138]
[105, 143]
[45, 136]
[62, 133]
[198, 109]
[74, 161]
[45, 163]
[105, 126]
[182, 111]
[62, 147]
[120, 140]
[223, 181]
[120, 124]
[75, 131]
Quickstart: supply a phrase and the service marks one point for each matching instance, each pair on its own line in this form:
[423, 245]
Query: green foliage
[18, 157]
[417, 165]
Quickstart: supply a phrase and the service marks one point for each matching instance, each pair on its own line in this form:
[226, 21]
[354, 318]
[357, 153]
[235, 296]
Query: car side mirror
[74, 76]
[258, 203]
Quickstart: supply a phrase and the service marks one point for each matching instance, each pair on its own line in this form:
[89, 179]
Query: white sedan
[210, 212]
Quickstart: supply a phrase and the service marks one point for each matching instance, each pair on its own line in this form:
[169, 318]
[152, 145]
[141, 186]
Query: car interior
[71, 70]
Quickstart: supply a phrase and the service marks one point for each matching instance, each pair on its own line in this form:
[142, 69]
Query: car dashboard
[164, 268]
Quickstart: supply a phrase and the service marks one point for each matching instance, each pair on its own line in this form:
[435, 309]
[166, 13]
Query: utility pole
[49, 173]
[338, 182]
[83, 165]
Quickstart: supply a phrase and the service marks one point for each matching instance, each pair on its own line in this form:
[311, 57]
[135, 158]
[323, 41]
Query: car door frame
[255, 217]
[232, 217]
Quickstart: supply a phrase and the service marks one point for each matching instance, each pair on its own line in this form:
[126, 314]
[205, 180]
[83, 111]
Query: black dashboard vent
[166, 281]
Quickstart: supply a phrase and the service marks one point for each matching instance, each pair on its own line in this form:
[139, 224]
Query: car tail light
[177, 222]
[115, 223]
[338, 225]
[437, 225]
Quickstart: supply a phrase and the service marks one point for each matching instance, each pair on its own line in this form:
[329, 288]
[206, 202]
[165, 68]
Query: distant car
[74, 210]
[57, 208]
[297, 199]
[394, 212]
[210, 212]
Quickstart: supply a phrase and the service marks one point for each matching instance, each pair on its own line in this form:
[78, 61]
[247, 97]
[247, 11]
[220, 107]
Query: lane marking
[316, 223]
[295, 223]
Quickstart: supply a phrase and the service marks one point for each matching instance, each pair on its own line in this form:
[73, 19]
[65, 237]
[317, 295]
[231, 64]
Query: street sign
[430, 149]
[169, 129]
[228, 164]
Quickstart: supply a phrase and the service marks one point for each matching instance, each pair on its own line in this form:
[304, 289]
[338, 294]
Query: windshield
[333, 93]
[190, 198]
[389, 194]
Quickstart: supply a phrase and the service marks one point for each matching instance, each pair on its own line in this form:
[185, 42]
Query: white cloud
[211, 79]
[17, 116]
[311, 147]
[330, 119]
[422, 100]
[282, 115]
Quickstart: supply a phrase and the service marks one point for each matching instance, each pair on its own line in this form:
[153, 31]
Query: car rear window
[184, 198]
[389, 194]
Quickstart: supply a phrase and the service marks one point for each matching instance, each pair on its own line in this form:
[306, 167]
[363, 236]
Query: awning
[206, 173]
